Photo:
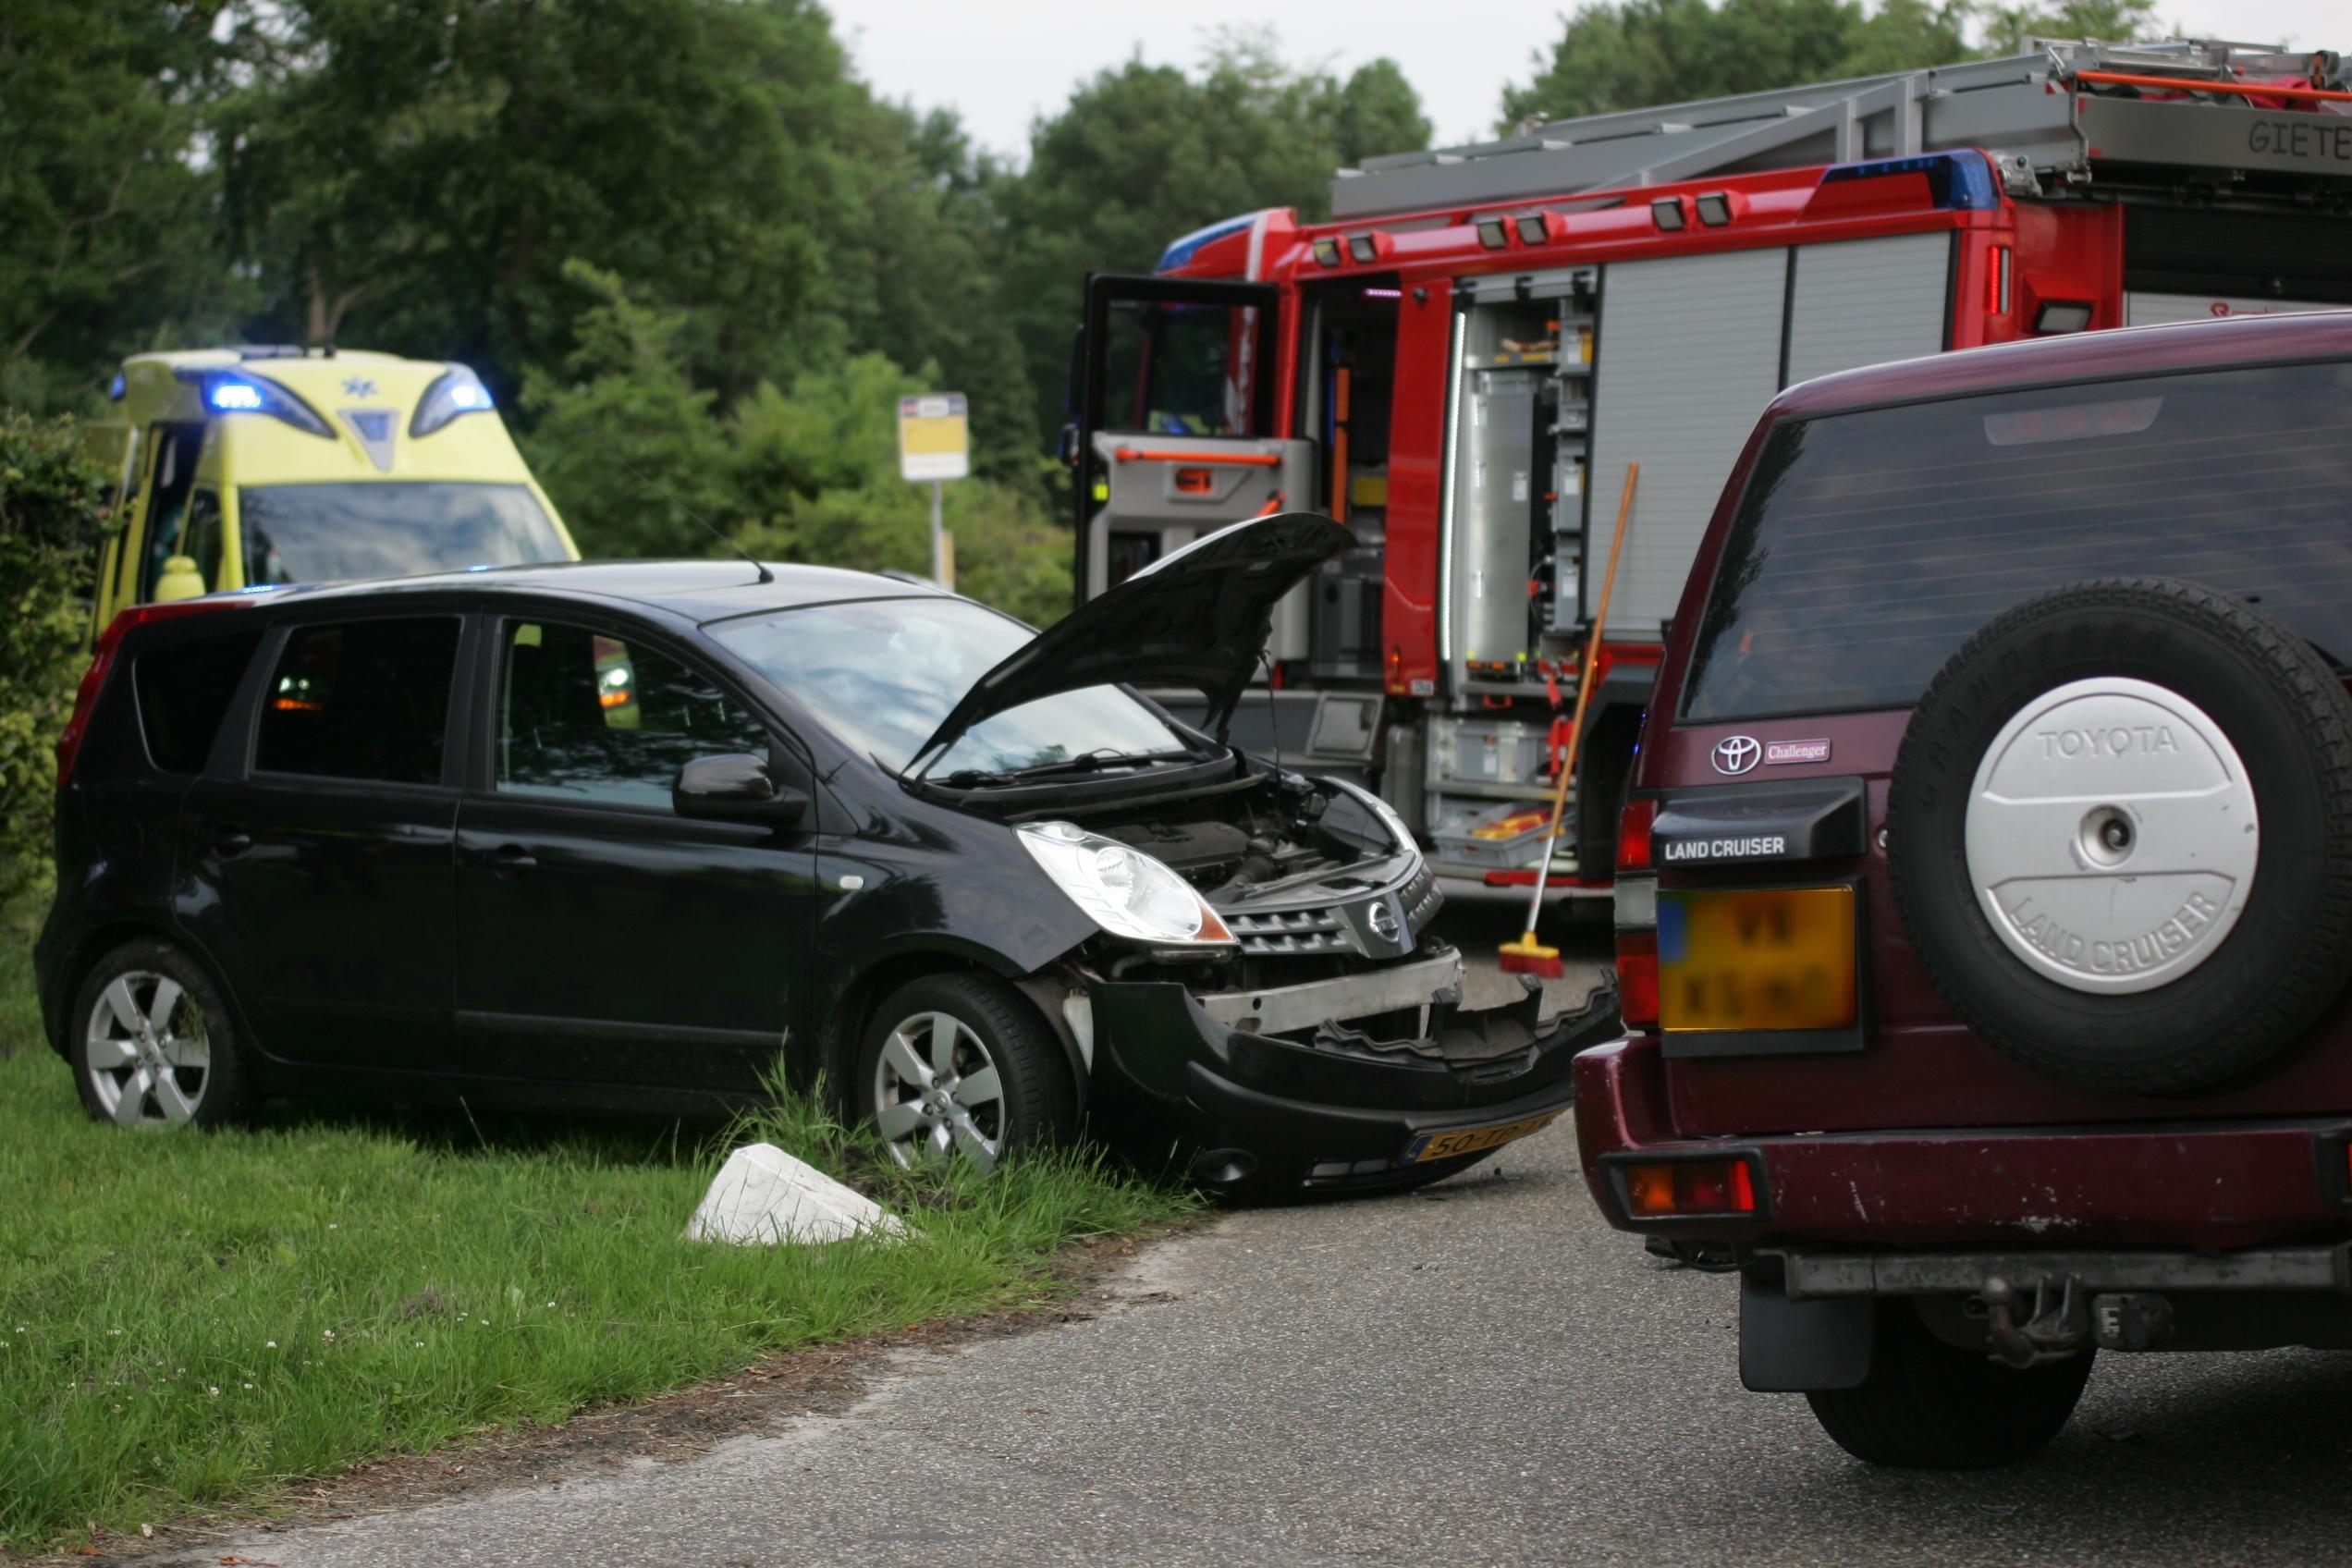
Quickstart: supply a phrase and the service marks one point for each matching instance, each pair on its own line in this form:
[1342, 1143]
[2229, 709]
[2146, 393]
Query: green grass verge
[186, 1321]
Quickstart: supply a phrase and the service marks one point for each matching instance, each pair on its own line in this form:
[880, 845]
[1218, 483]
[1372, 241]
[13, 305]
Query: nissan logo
[1383, 922]
[1734, 754]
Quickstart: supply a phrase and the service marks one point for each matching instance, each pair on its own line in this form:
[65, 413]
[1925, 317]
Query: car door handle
[511, 860]
[231, 840]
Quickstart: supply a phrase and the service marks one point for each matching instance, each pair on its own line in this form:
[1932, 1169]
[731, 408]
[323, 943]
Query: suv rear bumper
[2218, 1185]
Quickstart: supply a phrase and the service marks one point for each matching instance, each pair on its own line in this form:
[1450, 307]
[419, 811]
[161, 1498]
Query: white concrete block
[763, 1195]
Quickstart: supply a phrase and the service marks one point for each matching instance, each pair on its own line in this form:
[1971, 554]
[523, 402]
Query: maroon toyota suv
[1985, 892]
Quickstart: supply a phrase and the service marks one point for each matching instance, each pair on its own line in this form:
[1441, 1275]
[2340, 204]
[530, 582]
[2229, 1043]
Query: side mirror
[736, 788]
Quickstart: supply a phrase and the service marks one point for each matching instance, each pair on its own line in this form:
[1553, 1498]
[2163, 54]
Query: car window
[176, 448]
[1869, 545]
[587, 716]
[184, 690]
[883, 673]
[367, 699]
[392, 528]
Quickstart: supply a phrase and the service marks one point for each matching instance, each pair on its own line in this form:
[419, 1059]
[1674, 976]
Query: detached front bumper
[1206, 1080]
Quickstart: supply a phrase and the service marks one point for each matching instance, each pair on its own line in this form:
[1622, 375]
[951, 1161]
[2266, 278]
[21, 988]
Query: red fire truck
[1463, 364]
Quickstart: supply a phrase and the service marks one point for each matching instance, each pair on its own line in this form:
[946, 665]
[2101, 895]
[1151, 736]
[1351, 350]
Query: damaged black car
[620, 835]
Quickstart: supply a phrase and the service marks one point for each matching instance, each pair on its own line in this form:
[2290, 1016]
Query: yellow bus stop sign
[935, 438]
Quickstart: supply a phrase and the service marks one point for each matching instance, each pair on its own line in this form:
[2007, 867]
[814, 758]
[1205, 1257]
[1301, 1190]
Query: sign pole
[939, 537]
[935, 446]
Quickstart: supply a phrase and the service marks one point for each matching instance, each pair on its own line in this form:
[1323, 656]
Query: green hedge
[54, 509]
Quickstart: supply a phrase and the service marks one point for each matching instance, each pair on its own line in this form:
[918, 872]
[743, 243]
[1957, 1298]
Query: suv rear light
[102, 664]
[1636, 916]
[1688, 1189]
[1634, 825]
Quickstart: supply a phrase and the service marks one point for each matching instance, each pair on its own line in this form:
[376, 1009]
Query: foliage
[1618, 55]
[631, 453]
[53, 510]
[415, 175]
[107, 243]
[623, 441]
[192, 1320]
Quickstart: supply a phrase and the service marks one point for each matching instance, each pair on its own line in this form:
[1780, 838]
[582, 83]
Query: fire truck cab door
[1175, 433]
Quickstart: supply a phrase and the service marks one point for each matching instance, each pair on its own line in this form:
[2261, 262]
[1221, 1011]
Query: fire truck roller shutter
[1688, 353]
[1865, 302]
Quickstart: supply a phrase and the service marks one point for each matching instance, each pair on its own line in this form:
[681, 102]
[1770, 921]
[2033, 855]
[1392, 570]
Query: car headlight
[1386, 813]
[1124, 890]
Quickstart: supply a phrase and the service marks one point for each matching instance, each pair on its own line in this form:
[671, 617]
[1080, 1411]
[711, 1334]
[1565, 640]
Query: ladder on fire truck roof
[2050, 114]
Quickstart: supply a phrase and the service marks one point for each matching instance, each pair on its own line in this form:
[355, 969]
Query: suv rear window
[184, 690]
[1869, 545]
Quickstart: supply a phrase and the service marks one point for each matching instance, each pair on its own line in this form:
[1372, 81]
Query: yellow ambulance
[266, 465]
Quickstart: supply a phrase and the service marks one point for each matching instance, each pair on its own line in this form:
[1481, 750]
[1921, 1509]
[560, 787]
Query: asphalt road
[1482, 1373]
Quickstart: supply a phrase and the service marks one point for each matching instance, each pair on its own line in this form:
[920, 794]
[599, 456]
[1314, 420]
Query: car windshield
[883, 673]
[1869, 545]
[394, 528]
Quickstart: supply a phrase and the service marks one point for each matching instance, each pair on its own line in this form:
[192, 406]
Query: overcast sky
[1003, 62]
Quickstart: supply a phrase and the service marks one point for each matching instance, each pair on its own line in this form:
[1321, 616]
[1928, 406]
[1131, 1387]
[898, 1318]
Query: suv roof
[2088, 356]
[692, 590]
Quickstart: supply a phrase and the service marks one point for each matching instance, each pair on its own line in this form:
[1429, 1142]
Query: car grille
[1420, 900]
[1324, 930]
[1300, 931]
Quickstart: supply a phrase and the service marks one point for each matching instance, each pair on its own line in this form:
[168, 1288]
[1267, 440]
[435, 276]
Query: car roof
[694, 591]
[2086, 356]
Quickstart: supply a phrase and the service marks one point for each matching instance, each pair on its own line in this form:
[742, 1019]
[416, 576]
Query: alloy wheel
[146, 1051]
[936, 1092]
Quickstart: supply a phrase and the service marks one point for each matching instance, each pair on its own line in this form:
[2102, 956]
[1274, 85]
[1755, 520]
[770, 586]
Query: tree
[2007, 28]
[415, 174]
[631, 452]
[1143, 154]
[1636, 54]
[108, 217]
[1620, 54]
[624, 443]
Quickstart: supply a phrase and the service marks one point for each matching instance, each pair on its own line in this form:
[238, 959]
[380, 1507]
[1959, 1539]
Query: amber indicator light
[1684, 1189]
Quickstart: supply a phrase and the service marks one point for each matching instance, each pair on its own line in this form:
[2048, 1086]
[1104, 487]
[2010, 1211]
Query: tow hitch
[2052, 1319]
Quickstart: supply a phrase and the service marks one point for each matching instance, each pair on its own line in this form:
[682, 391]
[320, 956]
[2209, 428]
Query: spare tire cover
[2120, 835]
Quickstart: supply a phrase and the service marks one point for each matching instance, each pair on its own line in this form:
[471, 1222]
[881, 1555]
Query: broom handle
[1584, 696]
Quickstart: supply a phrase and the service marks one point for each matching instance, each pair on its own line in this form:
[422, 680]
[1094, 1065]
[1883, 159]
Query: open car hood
[1197, 618]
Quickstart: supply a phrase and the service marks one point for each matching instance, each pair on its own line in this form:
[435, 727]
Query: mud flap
[1794, 1347]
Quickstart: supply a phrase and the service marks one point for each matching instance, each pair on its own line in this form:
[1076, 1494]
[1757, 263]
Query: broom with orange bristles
[1527, 956]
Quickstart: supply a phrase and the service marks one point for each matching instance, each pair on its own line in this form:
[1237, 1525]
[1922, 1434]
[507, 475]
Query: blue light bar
[234, 397]
[1184, 250]
[1956, 181]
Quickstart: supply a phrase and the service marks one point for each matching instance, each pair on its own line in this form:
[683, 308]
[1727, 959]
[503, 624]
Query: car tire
[2229, 761]
[962, 1063]
[1929, 1406]
[154, 1044]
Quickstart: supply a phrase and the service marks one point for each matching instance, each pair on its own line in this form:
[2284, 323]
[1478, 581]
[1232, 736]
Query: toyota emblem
[1734, 754]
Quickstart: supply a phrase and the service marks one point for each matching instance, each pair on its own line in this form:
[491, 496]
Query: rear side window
[365, 700]
[1869, 545]
[184, 691]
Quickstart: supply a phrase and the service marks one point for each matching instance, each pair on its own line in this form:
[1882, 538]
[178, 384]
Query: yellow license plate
[1774, 958]
[1474, 1140]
